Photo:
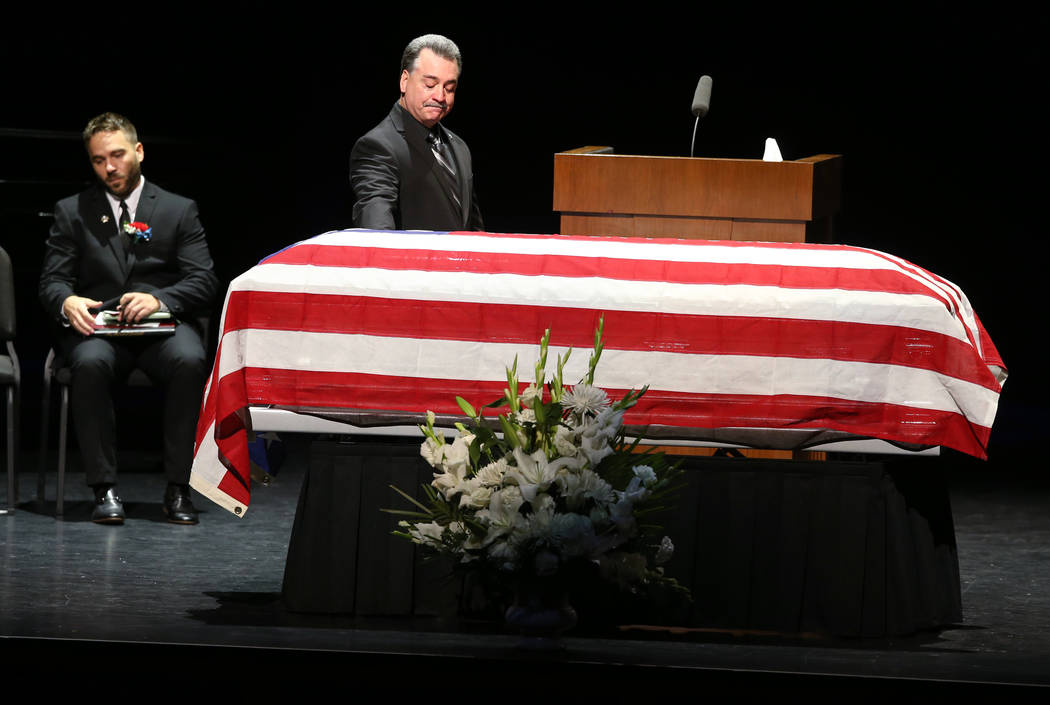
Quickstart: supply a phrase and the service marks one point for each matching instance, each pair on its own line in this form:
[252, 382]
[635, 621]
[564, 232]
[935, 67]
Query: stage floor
[204, 601]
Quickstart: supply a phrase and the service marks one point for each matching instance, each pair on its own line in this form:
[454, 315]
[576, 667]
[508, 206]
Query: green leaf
[539, 409]
[407, 513]
[510, 434]
[412, 499]
[466, 407]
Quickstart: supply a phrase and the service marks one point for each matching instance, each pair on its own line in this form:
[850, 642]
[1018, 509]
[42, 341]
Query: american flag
[728, 335]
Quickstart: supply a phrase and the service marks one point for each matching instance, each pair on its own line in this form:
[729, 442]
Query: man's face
[428, 91]
[116, 161]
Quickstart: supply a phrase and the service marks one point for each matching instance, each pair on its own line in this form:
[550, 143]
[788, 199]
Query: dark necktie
[125, 218]
[440, 150]
[446, 175]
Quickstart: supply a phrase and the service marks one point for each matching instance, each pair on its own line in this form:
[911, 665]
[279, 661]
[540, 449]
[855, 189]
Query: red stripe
[344, 390]
[624, 330]
[784, 276]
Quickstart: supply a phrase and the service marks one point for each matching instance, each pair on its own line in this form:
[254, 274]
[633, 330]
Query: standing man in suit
[95, 256]
[410, 172]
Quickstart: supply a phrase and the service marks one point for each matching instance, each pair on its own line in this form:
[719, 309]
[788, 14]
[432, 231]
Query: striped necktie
[437, 145]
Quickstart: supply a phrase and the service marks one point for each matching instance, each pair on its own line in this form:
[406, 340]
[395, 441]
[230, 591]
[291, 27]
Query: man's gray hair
[442, 46]
[110, 122]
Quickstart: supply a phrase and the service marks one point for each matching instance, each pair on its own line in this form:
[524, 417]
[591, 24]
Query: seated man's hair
[110, 122]
[442, 46]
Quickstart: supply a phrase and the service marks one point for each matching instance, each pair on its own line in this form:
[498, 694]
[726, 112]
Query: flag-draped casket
[791, 341]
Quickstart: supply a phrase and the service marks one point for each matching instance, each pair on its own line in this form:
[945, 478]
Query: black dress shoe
[177, 505]
[108, 507]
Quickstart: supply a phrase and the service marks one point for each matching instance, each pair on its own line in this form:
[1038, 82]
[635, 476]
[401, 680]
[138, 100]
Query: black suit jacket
[86, 256]
[394, 179]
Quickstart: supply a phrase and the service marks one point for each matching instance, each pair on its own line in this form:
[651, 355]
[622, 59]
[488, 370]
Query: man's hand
[75, 308]
[136, 305]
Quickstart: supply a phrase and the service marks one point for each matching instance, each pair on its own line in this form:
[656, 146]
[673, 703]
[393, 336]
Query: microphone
[702, 97]
[701, 104]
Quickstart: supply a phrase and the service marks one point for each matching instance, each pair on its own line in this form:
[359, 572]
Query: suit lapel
[106, 230]
[414, 141]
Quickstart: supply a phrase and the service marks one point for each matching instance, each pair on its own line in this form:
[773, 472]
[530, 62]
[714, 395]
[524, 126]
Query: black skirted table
[853, 549]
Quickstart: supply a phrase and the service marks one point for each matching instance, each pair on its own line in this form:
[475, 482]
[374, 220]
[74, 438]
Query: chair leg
[12, 476]
[45, 422]
[63, 418]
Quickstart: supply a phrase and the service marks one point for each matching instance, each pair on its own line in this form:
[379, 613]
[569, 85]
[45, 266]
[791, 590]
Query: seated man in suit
[410, 172]
[95, 255]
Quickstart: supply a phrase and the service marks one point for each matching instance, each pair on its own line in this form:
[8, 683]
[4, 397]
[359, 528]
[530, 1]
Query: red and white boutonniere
[139, 232]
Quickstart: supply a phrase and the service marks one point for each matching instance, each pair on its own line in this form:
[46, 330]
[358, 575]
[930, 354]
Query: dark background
[938, 112]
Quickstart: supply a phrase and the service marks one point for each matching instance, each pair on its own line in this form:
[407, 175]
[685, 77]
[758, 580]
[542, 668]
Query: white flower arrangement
[557, 485]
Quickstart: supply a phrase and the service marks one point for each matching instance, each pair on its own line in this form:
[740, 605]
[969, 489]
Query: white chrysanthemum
[512, 494]
[585, 399]
[492, 474]
[565, 441]
[525, 416]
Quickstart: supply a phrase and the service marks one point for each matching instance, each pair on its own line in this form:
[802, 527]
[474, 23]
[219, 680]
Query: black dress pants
[175, 363]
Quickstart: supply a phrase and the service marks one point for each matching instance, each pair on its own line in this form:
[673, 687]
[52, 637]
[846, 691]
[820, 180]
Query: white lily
[501, 517]
[532, 473]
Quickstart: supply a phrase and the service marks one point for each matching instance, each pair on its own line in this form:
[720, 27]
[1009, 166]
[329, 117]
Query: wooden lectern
[601, 193]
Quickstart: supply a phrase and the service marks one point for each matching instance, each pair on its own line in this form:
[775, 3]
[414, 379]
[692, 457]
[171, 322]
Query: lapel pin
[105, 219]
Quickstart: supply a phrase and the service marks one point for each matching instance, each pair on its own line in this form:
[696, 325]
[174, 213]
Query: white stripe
[718, 374]
[880, 308]
[955, 294]
[832, 256]
[207, 472]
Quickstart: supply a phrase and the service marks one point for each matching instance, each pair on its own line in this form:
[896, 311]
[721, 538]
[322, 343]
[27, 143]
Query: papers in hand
[109, 323]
